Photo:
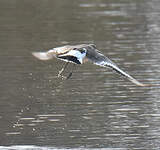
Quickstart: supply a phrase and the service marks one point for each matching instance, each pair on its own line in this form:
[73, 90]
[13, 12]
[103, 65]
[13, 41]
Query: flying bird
[79, 54]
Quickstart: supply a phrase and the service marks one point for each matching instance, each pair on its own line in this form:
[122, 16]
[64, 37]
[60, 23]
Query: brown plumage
[79, 54]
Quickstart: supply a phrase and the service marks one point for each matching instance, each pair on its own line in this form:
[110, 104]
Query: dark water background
[95, 108]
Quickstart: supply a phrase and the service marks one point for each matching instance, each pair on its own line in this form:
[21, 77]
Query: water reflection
[95, 108]
[24, 147]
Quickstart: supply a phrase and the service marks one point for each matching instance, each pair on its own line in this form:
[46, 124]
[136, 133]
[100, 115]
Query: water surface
[95, 108]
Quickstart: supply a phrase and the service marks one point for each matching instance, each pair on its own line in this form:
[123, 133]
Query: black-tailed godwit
[79, 54]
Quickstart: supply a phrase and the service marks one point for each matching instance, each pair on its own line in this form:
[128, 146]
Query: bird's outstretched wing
[43, 55]
[98, 58]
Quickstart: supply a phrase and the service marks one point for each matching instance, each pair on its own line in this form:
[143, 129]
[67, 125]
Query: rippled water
[95, 108]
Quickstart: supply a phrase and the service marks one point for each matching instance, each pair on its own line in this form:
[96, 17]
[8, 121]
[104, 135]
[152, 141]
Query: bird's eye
[83, 51]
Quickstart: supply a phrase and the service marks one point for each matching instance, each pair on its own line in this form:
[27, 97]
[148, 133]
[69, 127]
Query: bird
[80, 54]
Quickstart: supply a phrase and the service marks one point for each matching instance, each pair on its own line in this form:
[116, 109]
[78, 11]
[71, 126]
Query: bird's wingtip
[42, 55]
[136, 82]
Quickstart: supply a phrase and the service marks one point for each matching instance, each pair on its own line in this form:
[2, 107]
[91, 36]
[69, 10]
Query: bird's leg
[70, 74]
[62, 70]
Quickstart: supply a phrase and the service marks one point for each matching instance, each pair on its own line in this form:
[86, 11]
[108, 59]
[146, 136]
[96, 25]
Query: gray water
[96, 108]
